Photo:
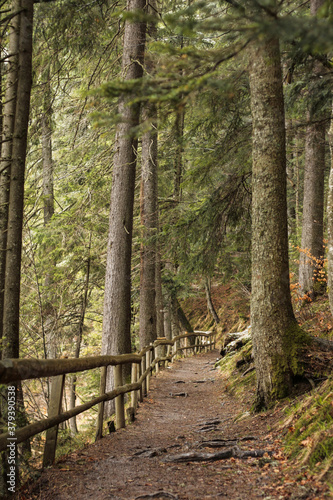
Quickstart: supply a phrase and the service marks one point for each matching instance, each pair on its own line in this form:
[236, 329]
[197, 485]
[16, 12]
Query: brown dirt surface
[137, 462]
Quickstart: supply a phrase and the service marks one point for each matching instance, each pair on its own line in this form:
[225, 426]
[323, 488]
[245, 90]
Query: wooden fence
[161, 352]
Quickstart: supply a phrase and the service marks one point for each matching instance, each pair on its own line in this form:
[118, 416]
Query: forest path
[132, 463]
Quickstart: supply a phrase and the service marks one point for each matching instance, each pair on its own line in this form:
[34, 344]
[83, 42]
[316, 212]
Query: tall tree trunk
[116, 337]
[178, 169]
[9, 109]
[48, 209]
[175, 324]
[167, 321]
[148, 209]
[210, 304]
[313, 206]
[330, 221]
[292, 184]
[179, 133]
[312, 251]
[48, 191]
[8, 121]
[16, 192]
[182, 319]
[159, 294]
[72, 396]
[177, 196]
[297, 168]
[274, 328]
[12, 172]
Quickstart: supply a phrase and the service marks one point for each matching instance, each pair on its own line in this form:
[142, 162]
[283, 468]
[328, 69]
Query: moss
[294, 342]
[68, 443]
[322, 451]
[289, 365]
[236, 383]
[309, 438]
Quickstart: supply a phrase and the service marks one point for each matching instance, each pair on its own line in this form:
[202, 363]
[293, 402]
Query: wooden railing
[143, 365]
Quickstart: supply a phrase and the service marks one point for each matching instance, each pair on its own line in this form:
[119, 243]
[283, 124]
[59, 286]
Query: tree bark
[9, 109]
[159, 294]
[274, 328]
[116, 337]
[182, 319]
[48, 209]
[12, 189]
[178, 173]
[210, 304]
[149, 222]
[8, 121]
[48, 194]
[72, 396]
[167, 321]
[16, 193]
[175, 325]
[312, 250]
[330, 221]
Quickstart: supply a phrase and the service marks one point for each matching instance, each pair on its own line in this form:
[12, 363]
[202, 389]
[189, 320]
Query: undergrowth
[239, 381]
[309, 430]
[308, 426]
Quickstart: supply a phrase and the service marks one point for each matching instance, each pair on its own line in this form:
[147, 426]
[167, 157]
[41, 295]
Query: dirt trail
[133, 462]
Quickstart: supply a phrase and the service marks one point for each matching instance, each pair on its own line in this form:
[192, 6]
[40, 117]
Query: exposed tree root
[234, 452]
[158, 494]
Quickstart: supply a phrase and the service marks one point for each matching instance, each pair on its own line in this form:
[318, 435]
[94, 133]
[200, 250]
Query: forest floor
[186, 407]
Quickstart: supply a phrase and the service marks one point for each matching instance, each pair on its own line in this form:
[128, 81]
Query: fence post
[134, 378]
[140, 393]
[157, 366]
[57, 389]
[152, 357]
[196, 344]
[143, 369]
[99, 429]
[162, 352]
[119, 400]
[173, 351]
[168, 353]
[148, 357]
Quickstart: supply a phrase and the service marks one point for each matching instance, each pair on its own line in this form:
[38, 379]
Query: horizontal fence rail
[143, 364]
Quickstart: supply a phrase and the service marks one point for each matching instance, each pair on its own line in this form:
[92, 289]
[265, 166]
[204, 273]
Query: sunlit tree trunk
[274, 329]
[116, 337]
